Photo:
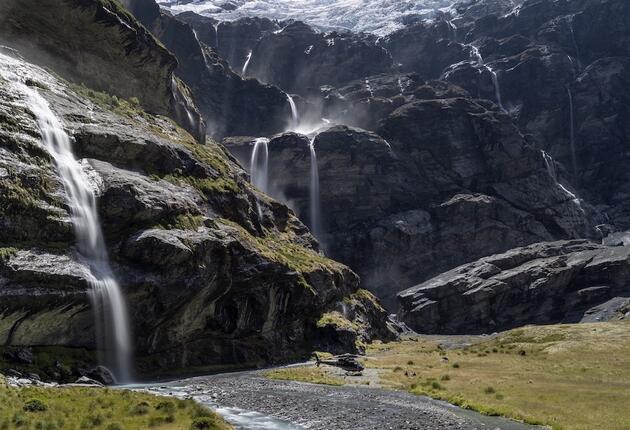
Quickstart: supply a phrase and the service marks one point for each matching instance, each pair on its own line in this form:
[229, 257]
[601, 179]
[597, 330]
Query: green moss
[362, 296]
[182, 222]
[337, 320]
[131, 108]
[7, 253]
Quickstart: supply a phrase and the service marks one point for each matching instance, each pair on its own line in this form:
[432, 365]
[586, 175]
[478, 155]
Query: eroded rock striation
[544, 283]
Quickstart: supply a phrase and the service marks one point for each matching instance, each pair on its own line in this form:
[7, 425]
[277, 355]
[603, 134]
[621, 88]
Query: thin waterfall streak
[246, 65]
[572, 132]
[111, 320]
[295, 117]
[315, 204]
[478, 59]
[259, 164]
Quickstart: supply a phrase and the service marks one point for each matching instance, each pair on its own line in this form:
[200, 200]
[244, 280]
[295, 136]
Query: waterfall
[368, 87]
[259, 164]
[112, 326]
[476, 56]
[550, 164]
[295, 117]
[246, 65]
[216, 35]
[315, 205]
[572, 132]
[575, 45]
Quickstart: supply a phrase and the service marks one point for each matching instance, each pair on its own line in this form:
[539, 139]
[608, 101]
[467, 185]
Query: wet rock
[84, 380]
[20, 356]
[100, 374]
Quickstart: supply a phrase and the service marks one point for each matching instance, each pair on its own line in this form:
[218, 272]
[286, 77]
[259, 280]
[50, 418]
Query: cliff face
[98, 43]
[215, 272]
[230, 104]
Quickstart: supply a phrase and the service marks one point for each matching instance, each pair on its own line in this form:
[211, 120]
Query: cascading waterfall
[246, 65]
[295, 117]
[572, 132]
[112, 326]
[551, 170]
[315, 204]
[259, 164]
[476, 56]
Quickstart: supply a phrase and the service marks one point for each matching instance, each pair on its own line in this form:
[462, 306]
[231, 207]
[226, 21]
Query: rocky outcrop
[540, 284]
[99, 44]
[214, 272]
[230, 104]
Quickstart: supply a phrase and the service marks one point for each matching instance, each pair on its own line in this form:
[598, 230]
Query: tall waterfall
[112, 326]
[259, 164]
[246, 65]
[572, 132]
[295, 117]
[315, 204]
[476, 56]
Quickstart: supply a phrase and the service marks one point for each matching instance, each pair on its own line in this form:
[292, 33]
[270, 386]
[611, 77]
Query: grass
[313, 375]
[37, 408]
[336, 319]
[564, 376]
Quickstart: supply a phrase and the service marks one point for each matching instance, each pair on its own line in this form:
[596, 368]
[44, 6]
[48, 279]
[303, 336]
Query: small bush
[455, 365]
[141, 408]
[445, 378]
[204, 423]
[499, 396]
[35, 405]
[166, 407]
[398, 369]
[489, 390]
[410, 363]
[436, 385]
[522, 352]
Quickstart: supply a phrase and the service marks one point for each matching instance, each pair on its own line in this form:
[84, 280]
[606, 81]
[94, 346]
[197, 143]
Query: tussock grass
[565, 376]
[36, 408]
[314, 375]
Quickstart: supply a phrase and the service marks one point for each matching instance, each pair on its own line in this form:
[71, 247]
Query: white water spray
[112, 327]
[259, 164]
[476, 56]
[295, 117]
[246, 65]
[315, 204]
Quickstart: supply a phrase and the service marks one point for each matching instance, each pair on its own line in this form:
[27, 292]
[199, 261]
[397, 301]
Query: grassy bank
[564, 376]
[35, 408]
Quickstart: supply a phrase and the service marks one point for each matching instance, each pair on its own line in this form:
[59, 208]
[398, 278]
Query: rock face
[230, 104]
[214, 272]
[543, 283]
[300, 60]
[104, 48]
[453, 179]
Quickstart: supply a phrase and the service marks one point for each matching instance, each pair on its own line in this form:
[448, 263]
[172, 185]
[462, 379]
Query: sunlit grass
[36, 408]
[565, 376]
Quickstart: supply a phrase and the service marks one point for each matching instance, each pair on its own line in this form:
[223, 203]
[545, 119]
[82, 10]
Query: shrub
[436, 385]
[410, 363]
[455, 365]
[35, 405]
[489, 390]
[203, 423]
[166, 407]
[141, 408]
[445, 378]
[398, 369]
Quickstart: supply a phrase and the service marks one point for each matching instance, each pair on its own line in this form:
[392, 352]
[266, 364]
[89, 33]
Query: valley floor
[564, 376]
[292, 405]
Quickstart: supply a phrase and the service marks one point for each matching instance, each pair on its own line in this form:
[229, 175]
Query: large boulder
[543, 283]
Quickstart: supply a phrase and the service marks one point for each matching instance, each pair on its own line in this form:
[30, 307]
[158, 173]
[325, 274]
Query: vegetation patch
[313, 375]
[337, 320]
[96, 408]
